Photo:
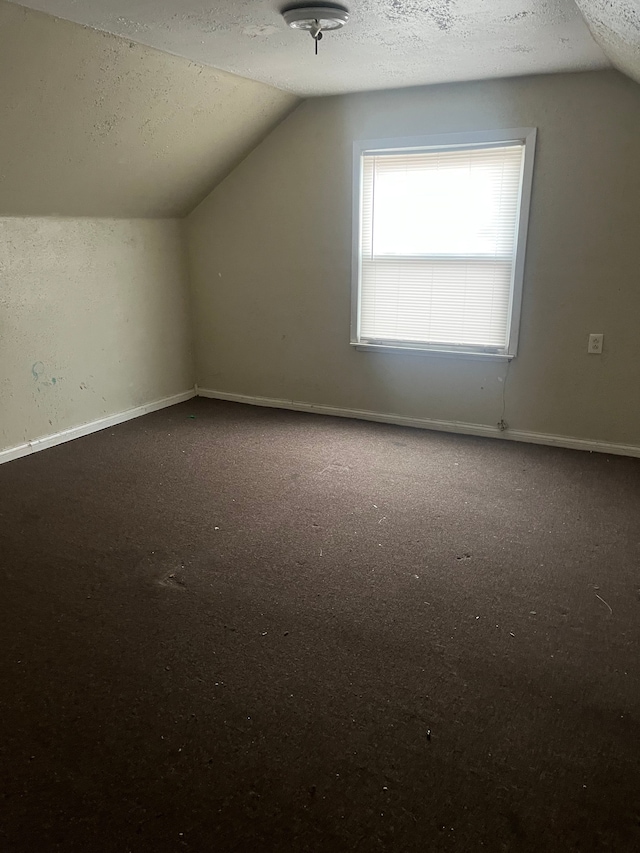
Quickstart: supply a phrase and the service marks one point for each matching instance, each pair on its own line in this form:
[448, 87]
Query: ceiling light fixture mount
[316, 20]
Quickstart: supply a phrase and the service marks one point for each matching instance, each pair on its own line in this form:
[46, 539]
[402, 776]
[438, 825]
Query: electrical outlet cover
[596, 342]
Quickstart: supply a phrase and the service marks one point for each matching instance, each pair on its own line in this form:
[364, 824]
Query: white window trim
[475, 139]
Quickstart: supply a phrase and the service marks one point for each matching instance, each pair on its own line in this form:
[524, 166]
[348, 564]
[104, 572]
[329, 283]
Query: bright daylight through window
[439, 241]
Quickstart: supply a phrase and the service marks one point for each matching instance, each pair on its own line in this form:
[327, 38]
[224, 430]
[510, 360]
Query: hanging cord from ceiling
[316, 34]
[502, 424]
[316, 20]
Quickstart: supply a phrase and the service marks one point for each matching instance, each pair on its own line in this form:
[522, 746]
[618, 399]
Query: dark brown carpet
[228, 628]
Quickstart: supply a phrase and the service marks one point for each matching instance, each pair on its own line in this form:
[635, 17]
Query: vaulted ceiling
[94, 125]
[147, 121]
[387, 43]
[615, 25]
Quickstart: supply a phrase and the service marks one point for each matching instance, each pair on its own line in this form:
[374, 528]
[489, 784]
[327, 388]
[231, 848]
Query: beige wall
[93, 321]
[94, 125]
[270, 262]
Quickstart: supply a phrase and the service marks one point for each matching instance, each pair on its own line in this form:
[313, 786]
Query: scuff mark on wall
[38, 371]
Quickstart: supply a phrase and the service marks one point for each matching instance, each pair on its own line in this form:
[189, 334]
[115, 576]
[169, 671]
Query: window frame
[474, 140]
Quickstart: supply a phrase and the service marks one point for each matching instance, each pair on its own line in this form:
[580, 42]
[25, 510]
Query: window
[439, 240]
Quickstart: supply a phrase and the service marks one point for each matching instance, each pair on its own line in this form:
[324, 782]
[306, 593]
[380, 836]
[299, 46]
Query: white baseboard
[85, 429]
[360, 414]
[428, 423]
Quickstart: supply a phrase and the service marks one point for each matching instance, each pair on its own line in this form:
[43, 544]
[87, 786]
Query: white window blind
[438, 241]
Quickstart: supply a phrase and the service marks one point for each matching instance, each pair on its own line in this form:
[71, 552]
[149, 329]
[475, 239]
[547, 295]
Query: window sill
[432, 351]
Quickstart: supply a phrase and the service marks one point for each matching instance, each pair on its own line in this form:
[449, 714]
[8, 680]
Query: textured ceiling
[387, 44]
[94, 125]
[615, 25]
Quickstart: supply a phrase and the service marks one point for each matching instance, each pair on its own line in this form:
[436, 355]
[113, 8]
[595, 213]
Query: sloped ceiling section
[615, 25]
[95, 125]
